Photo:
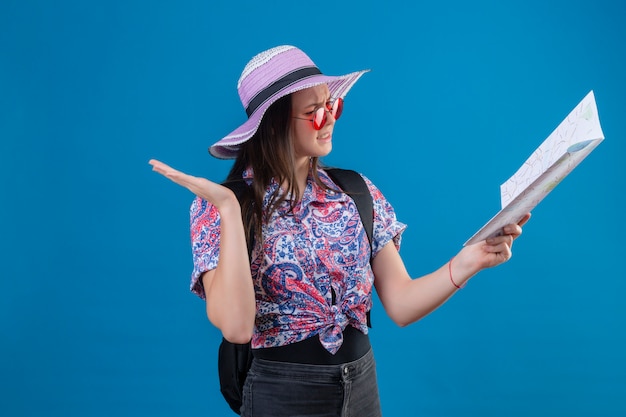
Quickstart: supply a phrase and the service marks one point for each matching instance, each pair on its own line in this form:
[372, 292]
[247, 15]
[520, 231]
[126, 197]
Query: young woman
[303, 298]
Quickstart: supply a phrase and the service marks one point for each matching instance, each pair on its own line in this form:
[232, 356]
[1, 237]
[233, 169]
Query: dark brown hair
[270, 154]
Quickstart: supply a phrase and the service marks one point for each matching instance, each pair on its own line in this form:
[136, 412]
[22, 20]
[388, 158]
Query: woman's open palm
[214, 193]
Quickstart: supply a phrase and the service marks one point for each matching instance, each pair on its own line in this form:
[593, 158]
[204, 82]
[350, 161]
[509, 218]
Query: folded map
[553, 160]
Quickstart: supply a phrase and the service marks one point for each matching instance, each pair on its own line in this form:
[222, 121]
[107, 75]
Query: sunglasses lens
[319, 120]
[337, 108]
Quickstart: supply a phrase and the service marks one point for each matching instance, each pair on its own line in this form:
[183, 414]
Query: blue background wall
[95, 314]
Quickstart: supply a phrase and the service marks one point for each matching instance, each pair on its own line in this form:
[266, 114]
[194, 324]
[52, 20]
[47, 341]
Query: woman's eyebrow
[318, 103]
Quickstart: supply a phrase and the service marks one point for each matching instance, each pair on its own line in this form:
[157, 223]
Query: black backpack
[234, 360]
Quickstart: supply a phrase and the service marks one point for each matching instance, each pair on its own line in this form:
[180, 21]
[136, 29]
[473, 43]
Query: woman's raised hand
[495, 250]
[214, 193]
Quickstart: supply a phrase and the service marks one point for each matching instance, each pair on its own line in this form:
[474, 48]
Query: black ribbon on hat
[278, 85]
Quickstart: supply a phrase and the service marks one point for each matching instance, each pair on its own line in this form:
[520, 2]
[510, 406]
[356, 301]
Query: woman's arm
[407, 300]
[229, 291]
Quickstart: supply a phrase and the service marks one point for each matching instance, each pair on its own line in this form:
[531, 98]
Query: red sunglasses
[319, 115]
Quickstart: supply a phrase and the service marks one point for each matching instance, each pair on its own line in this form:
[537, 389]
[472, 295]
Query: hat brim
[338, 86]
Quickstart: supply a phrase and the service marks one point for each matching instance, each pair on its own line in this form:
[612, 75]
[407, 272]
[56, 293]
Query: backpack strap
[241, 191]
[353, 184]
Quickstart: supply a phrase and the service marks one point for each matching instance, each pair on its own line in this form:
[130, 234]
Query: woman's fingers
[163, 168]
[515, 230]
[214, 193]
[496, 244]
[524, 220]
[175, 175]
[159, 166]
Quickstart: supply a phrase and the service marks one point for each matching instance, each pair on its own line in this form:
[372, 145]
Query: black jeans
[280, 389]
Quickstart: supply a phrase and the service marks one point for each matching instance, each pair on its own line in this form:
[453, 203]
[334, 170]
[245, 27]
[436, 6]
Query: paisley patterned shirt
[318, 249]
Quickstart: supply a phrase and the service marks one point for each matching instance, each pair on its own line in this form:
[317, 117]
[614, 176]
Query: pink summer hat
[268, 76]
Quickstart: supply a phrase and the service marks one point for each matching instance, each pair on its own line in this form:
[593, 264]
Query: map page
[553, 160]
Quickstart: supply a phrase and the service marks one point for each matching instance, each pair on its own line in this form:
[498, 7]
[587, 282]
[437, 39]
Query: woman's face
[307, 141]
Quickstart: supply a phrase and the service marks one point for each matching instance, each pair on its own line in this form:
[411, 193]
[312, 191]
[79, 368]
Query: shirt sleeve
[386, 226]
[205, 241]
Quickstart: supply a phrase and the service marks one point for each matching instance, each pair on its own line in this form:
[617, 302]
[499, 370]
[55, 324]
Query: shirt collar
[313, 193]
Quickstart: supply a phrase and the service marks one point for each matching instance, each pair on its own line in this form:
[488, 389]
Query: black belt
[310, 351]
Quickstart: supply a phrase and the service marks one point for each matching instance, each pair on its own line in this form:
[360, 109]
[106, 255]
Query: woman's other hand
[214, 193]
